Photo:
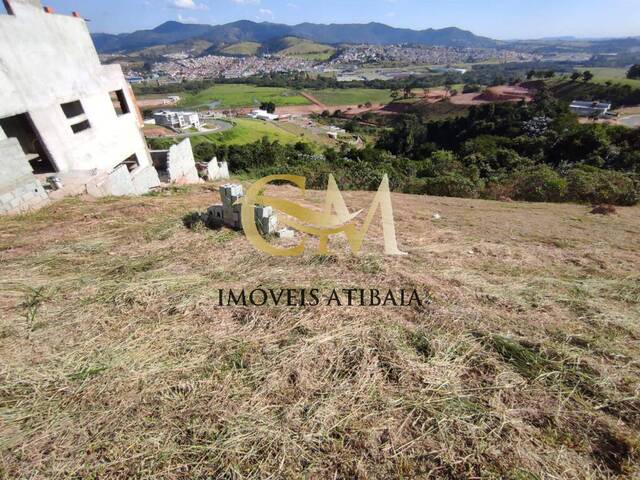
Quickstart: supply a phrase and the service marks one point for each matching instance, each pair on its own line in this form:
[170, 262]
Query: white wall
[49, 59]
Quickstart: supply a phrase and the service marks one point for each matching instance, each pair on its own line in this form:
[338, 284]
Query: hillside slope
[247, 31]
[117, 360]
[242, 49]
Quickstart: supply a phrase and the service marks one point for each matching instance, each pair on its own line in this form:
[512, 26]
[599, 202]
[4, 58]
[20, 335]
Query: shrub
[593, 185]
[451, 185]
[539, 184]
[471, 88]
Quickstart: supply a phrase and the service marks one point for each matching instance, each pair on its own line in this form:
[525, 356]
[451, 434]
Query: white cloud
[266, 13]
[187, 5]
[183, 19]
[247, 2]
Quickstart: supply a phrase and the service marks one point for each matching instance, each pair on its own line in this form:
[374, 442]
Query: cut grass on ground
[241, 95]
[118, 363]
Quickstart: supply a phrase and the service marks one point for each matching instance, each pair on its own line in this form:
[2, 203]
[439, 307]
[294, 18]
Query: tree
[634, 72]
[407, 91]
[531, 74]
[587, 76]
[395, 94]
[270, 107]
[575, 76]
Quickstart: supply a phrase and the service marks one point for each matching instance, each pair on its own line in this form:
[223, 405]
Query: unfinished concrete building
[62, 113]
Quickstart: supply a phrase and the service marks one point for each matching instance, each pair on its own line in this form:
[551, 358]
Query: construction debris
[229, 213]
[217, 170]
[176, 165]
[286, 233]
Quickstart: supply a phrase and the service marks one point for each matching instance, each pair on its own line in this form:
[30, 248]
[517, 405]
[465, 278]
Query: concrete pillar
[3, 136]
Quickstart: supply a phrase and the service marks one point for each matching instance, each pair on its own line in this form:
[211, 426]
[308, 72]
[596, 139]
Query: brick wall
[19, 189]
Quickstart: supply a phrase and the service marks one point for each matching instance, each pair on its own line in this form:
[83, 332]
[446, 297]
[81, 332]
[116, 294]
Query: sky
[499, 19]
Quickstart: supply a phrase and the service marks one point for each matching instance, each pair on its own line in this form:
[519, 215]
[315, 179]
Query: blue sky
[503, 19]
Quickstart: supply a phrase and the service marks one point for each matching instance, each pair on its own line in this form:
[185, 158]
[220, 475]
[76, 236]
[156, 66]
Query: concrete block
[217, 170]
[144, 179]
[181, 164]
[117, 183]
[286, 233]
[263, 212]
[6, 198]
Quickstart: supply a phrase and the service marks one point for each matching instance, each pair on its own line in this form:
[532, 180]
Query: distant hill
[246, 31]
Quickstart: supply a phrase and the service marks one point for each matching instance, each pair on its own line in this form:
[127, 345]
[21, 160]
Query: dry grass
[117, 363]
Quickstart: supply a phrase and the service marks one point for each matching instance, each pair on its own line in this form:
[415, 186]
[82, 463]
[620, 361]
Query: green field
[351, 96]
[240, 95]
[243, 48]
[248, 131]
[296, 47]
[615, 75]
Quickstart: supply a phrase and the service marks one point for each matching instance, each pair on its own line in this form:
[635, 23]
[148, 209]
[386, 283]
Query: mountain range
[170, 33]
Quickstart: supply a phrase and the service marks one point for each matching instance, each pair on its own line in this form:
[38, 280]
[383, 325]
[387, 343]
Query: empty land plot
[241, 95]
[603, 75]
[352, 96]
[118, 362]
[248, 131]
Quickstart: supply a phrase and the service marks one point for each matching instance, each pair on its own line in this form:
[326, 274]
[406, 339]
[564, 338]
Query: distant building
[170, 119]
[135, 80]
[461, 71]
[590, 109]
[263, 115]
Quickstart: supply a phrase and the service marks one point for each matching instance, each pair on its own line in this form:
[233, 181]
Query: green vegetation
[535, 152]
[634, 72]
[298, 47]
[615, 76]
[241, 95]
[352, 96]
[242, 49]
[619, 94]
[245, 131]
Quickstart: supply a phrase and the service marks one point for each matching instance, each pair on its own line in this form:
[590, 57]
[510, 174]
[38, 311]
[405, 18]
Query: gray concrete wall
[49, 59]
[144, 179]
[217, 170]
[117, 183]
[181, 164]
[19, 189]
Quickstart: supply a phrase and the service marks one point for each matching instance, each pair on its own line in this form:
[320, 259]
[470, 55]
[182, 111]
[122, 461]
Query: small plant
[34, 299]
[193, 221]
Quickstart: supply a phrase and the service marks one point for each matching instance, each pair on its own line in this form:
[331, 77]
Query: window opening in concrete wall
[21, 127]
[5, 8]
[72, 109]
[119, 101]
[75, 113]
[79, 127]
[131, 162]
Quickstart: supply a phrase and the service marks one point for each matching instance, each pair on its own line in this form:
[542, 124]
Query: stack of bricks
[266, 220]
[230, 212]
